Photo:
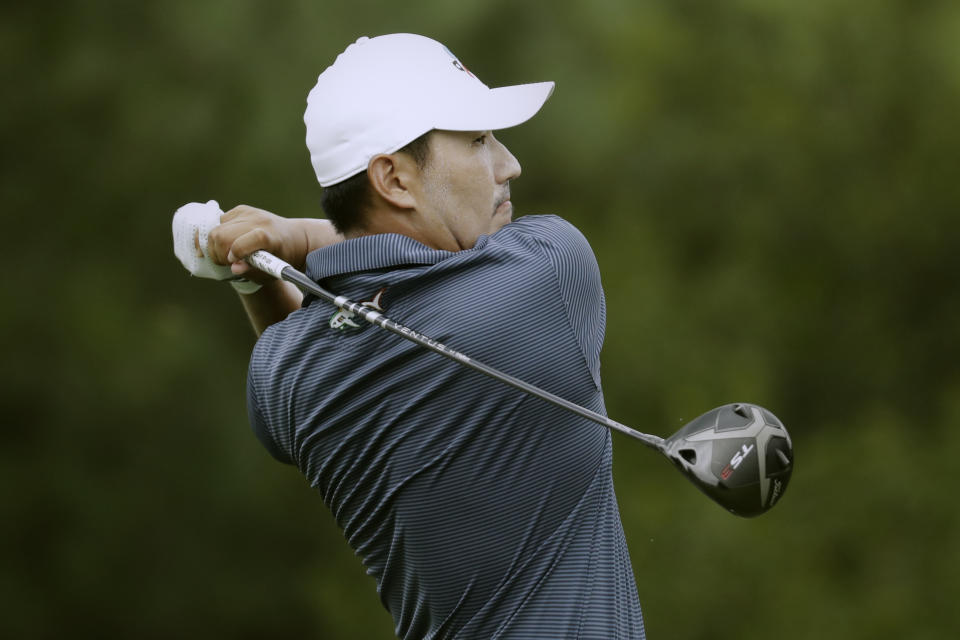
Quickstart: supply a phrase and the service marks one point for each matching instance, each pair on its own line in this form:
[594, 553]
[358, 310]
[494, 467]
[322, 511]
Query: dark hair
[346, 202]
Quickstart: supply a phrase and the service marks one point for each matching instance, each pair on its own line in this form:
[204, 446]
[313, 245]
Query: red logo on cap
[460, 66]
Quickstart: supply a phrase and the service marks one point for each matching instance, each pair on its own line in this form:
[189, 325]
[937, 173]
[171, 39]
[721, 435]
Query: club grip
[268, 263]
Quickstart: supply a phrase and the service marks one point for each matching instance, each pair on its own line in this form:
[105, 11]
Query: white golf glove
[195, 221]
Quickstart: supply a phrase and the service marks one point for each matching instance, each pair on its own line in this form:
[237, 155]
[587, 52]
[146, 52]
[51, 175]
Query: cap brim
[494, 109]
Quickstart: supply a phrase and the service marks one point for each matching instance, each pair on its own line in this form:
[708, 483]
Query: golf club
[740, 455]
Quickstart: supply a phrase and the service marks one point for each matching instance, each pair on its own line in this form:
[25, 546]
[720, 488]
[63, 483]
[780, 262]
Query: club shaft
[280, 269]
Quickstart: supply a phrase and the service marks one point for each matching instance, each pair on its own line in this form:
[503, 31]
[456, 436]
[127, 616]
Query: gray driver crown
[740, 455]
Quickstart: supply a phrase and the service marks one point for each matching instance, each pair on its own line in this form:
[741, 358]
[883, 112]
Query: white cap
[382, 93]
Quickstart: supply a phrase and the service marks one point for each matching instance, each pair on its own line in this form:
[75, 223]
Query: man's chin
[504, 213]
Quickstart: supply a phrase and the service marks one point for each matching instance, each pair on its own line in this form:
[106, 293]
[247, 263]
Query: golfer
[480, 511]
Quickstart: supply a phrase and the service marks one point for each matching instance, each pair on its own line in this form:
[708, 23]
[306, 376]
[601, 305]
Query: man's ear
[392, 176]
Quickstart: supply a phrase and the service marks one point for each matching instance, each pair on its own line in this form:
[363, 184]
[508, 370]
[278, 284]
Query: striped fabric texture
[480, 511]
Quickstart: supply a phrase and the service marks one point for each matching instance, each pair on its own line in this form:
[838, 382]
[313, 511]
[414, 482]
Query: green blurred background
[771, 189]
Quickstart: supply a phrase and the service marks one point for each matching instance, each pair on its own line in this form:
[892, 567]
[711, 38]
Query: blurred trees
[770, 188]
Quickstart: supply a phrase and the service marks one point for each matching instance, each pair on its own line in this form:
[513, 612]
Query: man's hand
[246, 229]
[212, 244]
[192, 223]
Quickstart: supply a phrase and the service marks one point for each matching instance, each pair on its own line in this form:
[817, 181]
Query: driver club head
[740, 455]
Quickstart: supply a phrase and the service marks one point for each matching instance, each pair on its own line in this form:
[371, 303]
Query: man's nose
[507, 166]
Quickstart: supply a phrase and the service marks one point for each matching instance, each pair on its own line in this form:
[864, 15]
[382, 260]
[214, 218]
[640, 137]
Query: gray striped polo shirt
[482, 512]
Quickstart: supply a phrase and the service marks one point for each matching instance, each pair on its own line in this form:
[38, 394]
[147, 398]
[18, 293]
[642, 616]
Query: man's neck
[406, 223]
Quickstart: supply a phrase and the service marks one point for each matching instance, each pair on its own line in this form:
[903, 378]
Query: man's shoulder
[551, 234]
[547, 222]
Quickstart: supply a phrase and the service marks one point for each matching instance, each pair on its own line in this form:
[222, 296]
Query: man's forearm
[319, 234]
[273, 302]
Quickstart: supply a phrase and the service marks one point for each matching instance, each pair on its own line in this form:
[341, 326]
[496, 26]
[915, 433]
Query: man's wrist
[245, 287]
[319, 233]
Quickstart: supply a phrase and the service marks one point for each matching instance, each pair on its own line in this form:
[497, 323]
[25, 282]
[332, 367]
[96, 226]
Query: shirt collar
[368, 253]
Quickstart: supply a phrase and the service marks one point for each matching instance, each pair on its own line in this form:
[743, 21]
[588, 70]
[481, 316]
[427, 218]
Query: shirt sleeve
[259, 425]
[578, 276]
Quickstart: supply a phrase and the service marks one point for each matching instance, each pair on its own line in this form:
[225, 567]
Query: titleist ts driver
[740, 455]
